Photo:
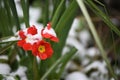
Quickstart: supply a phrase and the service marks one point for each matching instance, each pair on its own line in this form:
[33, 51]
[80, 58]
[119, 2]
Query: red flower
[26, 46]
[48, 32]
[42, 49]
[20, 43]
[22, 34]
[32, 30]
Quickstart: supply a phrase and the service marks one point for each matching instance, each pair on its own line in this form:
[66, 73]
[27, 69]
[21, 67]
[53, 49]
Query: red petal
[34, 49]
[27, 46]
[21, 34]
[42, 56]
[32, 30]
[49, 50]
[51, 37]
[46, 35]
[48, 25]
[55, 39]
[20, 43]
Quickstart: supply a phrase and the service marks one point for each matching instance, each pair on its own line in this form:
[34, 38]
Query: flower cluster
[32, 38]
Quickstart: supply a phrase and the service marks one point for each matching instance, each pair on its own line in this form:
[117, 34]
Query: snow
[8, 78]
[34, 14]
[49, 31]
[13, 38]
[74, 27]
[93, 52]
[4, 68]
[84, 37]
[21, 72]
[101, 66]
[32, 38]
[76, 76]
[3, 57]
[73, 42]
[19, 9]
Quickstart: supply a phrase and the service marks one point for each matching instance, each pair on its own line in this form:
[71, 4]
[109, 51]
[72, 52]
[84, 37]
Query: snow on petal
[49, 32]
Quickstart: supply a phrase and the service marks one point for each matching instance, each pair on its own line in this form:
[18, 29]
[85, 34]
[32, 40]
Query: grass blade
[25, 8]
[63, 27]
[6, 47]
[58, 12]
[14, 12]
[95, 35]
[103, 16]
[64, 59]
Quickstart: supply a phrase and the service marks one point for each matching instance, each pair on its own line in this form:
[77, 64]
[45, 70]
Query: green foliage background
[61, 18]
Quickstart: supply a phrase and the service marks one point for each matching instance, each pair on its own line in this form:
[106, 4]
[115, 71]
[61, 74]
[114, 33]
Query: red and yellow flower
[32, 39]
[28, 37]
[49, 33]
[42, 49]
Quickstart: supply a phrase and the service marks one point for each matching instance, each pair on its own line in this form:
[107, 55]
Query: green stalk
[64, 59]
[35, 69]
[6, 47]
[14, 12]
[95, 35]
[25, 8]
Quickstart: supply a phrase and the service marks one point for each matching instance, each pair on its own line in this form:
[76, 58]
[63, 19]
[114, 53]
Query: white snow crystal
[99, 65]
[4, 68]
[13, 38]
[4, 57]
[21, 72]
[92, 52]
[76, 76]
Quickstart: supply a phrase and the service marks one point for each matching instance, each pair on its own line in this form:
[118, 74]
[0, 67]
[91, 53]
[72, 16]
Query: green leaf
[32, 68]
[45, 12]
[102, 15]
[63, 27]
[62, 62]
[4, 22]
[55, 5]
[9, 14]
[8, 39]
[95, 36]
[14, 12]
[25, 8]
[58, 13]
[13, 62]
[6, 47]
[1, 77]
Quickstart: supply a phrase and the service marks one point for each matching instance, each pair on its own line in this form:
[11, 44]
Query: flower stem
[95, 35]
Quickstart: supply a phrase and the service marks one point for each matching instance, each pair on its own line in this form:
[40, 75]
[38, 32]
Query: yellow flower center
[41, 49]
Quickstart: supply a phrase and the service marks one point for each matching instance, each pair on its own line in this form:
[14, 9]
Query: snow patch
[101, 66]
[77, 76]
[13, 38]
[4, 69]
[21, 72]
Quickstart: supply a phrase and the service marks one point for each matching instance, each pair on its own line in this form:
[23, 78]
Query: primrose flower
[49, 33]
[32, 39]
[32, 30]
[42, 49]
[28, 37]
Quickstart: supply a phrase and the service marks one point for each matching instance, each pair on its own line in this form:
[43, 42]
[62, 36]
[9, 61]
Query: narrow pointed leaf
[14, 11]
[63, 60]
[58, 13]
[63, 27]
[6, 47]
[102, 15]
[25, 8]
